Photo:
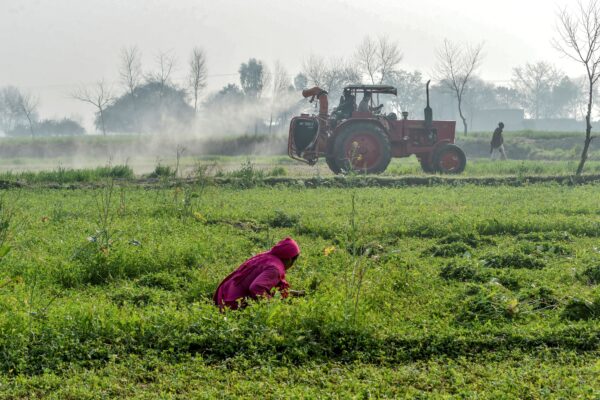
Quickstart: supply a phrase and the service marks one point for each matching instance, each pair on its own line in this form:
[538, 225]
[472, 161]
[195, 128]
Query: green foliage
[471, 239]
[462, 273]
[491, 302]
[278, 171]
[449, 250]
[247, 176]
[67, 175]
[592, 275]
[515, 260]
[579, 309]
[162, 171]
[282, 220]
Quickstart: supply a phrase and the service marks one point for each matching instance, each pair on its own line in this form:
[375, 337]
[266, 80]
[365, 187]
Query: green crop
[439, 291]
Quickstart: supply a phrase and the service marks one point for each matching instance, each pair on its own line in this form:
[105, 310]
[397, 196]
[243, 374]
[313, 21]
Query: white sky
[48, 47]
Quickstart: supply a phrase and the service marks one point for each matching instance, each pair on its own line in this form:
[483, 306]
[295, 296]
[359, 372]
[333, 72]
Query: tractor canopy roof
[381, 89]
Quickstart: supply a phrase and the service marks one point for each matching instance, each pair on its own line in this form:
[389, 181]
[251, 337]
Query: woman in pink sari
[258, 276]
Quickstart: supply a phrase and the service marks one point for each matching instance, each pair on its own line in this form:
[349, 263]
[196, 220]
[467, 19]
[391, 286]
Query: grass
[465, 288]
[69, 175]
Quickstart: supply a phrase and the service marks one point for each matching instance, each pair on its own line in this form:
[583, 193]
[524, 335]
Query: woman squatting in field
[258, 276]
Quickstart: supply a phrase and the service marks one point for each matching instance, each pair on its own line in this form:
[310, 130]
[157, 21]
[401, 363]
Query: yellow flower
[328, 250]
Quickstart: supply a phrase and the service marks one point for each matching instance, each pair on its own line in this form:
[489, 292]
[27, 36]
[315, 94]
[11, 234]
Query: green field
[442, 291]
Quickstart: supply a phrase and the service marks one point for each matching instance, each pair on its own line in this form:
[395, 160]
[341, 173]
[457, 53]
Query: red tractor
[365, 140]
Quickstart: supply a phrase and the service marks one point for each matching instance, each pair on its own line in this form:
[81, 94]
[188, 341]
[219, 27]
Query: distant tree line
[19, 117]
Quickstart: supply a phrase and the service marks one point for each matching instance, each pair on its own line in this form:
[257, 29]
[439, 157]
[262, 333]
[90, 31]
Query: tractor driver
[346, 107]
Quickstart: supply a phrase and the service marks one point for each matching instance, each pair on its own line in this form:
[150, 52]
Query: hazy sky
[50, 46]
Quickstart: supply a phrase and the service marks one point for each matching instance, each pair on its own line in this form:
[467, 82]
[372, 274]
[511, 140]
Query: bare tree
[100, 97]
[389, 56]
[456, 66]
[378, 59]
[535, 83]
[281, 83]
[579, 40]
[28, 106]
[131, 76]
[366, 58]
[198, 74]
[165, 62]
[331, 75]
[315, 69]
[17, 108]
[131, 69]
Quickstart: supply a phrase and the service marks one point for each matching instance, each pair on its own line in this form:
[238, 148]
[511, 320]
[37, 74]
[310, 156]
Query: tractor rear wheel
[449, 159]
[362, 147]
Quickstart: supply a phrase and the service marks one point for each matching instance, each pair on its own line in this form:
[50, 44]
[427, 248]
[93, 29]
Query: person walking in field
[259, 276]
[497, 144]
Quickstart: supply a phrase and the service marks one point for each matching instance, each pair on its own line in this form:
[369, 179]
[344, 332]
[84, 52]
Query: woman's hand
[297, 293]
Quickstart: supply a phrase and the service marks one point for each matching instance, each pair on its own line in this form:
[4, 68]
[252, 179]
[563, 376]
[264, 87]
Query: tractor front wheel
[332, 164]
[362, 148]
[449, 159]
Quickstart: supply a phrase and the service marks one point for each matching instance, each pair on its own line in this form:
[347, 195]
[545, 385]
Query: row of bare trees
[132, 77]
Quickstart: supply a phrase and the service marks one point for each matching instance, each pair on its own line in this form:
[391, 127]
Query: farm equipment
[365, 142]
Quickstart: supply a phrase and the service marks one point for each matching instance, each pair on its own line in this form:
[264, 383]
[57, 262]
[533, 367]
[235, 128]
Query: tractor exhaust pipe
[321, 95]
[428, 110]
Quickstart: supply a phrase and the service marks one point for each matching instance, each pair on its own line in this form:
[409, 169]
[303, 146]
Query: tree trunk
[270, 123]
[30, 126]
[464, 120]
[588, 130]
[102, 121]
